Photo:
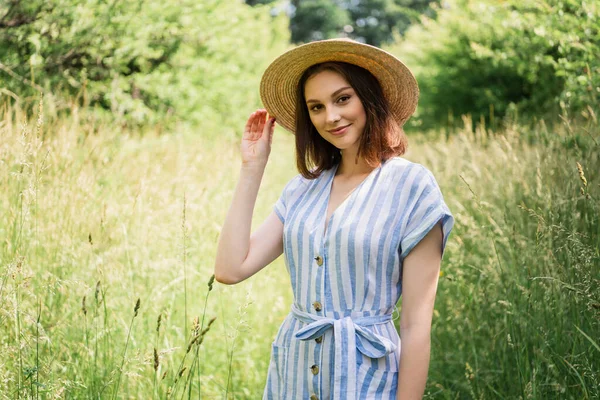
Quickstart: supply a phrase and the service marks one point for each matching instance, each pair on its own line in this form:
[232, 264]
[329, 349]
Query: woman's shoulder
[404, 174]
[402, 165]
[297, 182]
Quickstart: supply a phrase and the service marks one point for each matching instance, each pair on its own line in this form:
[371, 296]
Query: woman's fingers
[249, 123]
[254, 127]
[258, 126]
[261, 117]
[261, 122]
[267, 133]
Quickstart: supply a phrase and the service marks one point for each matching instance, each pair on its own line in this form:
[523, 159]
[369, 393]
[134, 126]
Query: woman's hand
[257, 139]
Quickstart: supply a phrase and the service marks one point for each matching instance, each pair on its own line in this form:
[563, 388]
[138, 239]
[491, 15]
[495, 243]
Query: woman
[359, 228]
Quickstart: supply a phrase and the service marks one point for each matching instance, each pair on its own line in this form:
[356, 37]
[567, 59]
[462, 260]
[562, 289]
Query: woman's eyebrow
[332, 95]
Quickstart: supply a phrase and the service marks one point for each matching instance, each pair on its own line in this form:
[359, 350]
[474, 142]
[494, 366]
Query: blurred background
[120, 126]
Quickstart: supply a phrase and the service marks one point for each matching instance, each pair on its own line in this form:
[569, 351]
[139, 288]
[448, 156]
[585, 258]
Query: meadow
[108, 241]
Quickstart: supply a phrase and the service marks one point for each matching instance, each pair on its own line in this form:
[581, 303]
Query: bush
[485, 57]
[142, 61]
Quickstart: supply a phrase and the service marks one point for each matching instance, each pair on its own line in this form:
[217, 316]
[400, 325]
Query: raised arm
[240, 255]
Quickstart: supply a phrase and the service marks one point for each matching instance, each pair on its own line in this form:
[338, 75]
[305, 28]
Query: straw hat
[279, 82]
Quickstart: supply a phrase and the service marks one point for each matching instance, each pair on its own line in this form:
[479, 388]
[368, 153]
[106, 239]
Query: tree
[316, 20]
[376, 22]
[141, 60]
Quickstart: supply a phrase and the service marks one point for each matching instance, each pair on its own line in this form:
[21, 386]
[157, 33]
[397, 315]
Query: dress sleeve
[283, 203]
[427, 210]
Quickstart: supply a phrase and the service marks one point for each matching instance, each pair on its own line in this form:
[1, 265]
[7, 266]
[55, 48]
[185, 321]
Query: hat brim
[280, 80]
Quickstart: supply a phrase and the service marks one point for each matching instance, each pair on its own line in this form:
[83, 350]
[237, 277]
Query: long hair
[381, 139]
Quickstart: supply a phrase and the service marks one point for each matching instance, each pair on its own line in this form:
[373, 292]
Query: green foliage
[371, 21]
[486, 57]
[378, 22]
[142, 60]
[316, 20]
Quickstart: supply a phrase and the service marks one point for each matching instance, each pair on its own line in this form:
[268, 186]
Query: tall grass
[84, 233]
[518, 309]
[90, 212]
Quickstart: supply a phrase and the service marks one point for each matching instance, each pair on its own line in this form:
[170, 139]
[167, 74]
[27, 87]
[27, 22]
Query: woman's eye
[341, 99]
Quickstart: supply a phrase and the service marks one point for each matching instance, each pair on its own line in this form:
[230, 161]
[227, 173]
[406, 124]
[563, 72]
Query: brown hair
[382, 138]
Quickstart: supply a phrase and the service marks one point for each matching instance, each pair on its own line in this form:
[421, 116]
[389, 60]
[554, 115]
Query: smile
[340, 130]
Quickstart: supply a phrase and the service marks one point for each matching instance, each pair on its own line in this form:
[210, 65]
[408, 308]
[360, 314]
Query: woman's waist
[320, 309]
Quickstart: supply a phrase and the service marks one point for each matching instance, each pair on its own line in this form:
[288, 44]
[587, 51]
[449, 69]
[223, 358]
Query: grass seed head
[194, 339]
[158, 321]
[581, 175]
[136, 308]
[97, 292]
[208, 326]
[83, 307]
[469, 374]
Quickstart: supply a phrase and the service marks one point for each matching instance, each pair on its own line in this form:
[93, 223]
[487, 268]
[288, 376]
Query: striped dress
[339, 340]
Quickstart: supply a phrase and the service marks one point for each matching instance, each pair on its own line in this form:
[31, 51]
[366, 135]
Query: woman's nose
[332, 116]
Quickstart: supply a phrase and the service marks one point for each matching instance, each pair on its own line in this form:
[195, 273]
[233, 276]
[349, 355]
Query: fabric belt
[349, 335]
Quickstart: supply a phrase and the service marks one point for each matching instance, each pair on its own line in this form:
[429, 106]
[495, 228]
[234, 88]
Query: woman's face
[335, 109]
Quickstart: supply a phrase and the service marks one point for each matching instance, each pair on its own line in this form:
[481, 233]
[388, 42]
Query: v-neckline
[330, 186]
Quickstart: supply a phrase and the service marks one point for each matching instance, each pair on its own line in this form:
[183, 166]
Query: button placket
[319, 267]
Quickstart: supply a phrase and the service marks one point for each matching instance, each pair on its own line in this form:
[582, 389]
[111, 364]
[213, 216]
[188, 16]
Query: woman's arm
[421, 269]
[240, 256]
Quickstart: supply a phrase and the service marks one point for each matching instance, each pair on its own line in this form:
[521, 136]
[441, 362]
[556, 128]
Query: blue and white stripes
[346, 281]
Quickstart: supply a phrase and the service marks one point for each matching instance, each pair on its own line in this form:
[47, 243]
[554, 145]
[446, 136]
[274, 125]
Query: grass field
[107, 243]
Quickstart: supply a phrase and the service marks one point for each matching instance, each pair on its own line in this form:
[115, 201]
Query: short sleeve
[284, 202]
[428, 208]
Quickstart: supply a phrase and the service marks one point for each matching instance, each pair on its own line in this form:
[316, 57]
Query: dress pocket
[276, 377]
[279, 355]
[374, 384]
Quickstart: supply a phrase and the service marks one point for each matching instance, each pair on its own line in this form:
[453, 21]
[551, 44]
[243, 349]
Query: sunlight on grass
[93, 219]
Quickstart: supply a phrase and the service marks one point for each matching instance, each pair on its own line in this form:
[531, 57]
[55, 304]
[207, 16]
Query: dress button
[319, 339]
[317, 306]
[314, 397]
[314, 369]
[319, 260]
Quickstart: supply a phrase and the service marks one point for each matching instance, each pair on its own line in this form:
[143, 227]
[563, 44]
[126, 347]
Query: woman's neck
[351, 167]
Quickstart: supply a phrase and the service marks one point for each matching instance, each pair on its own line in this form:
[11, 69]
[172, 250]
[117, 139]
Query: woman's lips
[339, 131]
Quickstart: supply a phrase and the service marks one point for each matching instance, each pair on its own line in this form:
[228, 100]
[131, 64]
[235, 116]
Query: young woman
[358, 226]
